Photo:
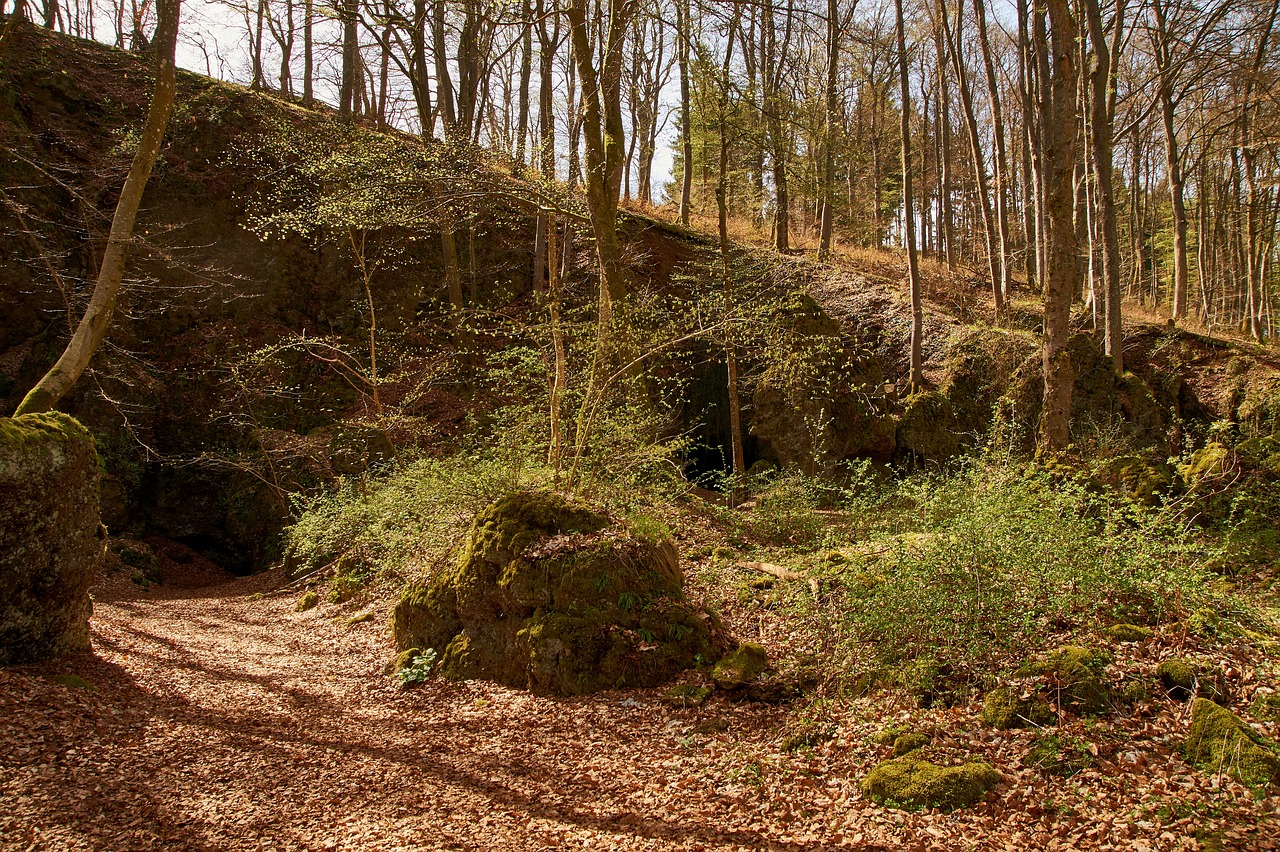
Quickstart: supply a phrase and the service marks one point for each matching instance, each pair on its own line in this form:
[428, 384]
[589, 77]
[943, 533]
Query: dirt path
[223, 720]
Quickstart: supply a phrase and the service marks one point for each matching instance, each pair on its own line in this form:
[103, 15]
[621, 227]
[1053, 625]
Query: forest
[639, 424]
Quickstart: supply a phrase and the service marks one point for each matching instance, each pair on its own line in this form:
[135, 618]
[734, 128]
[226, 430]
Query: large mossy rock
[1219, 741]
[552, 596]
[912, 782]
[50, 543]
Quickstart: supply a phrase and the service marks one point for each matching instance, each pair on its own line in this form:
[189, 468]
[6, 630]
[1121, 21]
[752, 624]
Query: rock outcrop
[552, 596]
[51, 545]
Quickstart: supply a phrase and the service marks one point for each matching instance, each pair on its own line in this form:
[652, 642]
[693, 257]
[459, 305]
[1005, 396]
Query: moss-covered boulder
[51, 542]
[1004, 709]
[911, 782]
[1074, 677]
[1220, 741]
[1142, 480]
[740, 667]
[819, 399]
[355, 449]
[553, 596]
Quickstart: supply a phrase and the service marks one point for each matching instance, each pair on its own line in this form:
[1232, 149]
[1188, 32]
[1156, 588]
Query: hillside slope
[211, 404]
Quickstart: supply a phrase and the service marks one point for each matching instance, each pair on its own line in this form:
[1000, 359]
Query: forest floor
[217, 717]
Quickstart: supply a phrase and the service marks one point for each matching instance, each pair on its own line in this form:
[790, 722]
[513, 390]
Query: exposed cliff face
[50, 543]
[182, 411]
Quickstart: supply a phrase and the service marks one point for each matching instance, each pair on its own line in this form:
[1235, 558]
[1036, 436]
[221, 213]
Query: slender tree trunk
[560, 376]
[255, 47]
[908, 213]
[777, 134]
[446, 102]
[722, 205]
[1101, 130]
[526, 75]
[308, 44]
[827, 177]
[1025, 75]
[683, 36]
[97, 317]
[1001, 169]
[347, 101]
[975, 146]
[948, 214]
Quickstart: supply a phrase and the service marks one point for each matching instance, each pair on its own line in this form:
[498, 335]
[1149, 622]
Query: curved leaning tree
[97, 316]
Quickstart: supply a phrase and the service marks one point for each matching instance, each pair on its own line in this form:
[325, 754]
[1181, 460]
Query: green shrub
[1001, 559]
[371, 527]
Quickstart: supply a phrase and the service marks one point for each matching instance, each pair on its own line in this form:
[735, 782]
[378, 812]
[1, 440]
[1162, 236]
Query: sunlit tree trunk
[97, 317]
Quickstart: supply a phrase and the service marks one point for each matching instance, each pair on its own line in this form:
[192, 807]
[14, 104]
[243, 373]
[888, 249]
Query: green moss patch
[1219, 741]
[1004, 709]
[1127, 633]
[553, 596]
[72, 682]
[806, 734]
[306, 602]
[910, 782]
[741, 666]
[908, 743]
[1181, 678]
[1059, 755]
[686, 695]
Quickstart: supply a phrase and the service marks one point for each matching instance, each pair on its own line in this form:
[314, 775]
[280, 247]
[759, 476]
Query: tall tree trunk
[1248, 147]
[446, 102]
[308, 46]
[526, 74]
[1025, 74]
[827, 177]
[1061, 127]
[1173, 159]
[97, 317]
[908, 214]
[975, 146]
[777, 135]
[255, 47]
[683, 36]
[726, 271]
[1001, 189]
[347, 102]
[948, 229]
[1101, 130]
[547, 42]
[605, 141]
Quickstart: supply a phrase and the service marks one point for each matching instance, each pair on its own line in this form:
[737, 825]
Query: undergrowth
[1000, 557]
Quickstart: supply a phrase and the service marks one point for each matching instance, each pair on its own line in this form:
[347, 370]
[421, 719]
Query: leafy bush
[374, 527]
[418, 670]
[999, 559]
